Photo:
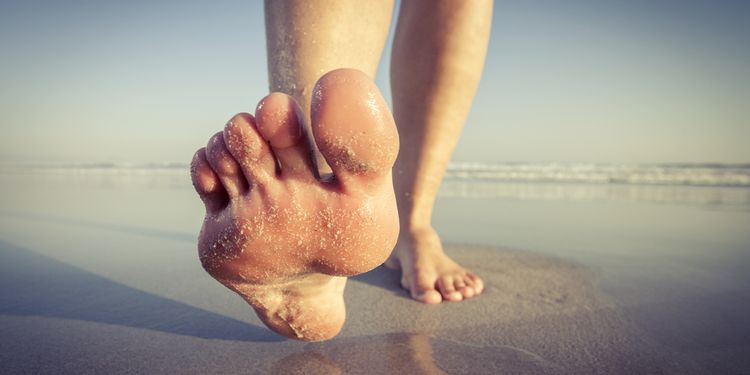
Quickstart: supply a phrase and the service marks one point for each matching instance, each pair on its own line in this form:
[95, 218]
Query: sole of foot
[278, 234]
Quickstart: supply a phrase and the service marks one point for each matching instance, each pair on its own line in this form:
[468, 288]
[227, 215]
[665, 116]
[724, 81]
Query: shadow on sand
[385, 278]
[37, 285]
[381, 276]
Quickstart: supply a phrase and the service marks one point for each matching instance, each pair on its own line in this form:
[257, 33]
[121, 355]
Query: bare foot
[427, 273]
[280, 236]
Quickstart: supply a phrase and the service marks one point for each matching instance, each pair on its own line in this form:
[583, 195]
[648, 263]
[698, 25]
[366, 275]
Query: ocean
[680, 183]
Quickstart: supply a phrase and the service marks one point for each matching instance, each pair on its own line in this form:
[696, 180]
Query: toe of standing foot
[429, 274]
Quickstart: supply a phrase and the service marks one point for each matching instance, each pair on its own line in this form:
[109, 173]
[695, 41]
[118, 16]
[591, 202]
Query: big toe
[353, 128]
[422, 288]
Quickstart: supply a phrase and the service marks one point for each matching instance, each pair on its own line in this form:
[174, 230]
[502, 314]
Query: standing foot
[428, 273]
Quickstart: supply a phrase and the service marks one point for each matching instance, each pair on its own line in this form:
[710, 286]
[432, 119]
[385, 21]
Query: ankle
[415, 229]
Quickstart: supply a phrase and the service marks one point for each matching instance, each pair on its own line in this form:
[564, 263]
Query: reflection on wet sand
[306, 362]
[410, 353]
[413, 353]
[407, 353]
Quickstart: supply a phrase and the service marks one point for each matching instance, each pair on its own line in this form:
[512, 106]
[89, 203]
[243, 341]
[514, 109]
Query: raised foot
[277, 234]
[427, 273]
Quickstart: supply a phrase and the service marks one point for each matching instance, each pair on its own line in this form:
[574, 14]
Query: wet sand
[105, 279]
[538, 315]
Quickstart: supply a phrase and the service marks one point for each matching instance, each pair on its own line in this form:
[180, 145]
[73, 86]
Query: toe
[461, 284]
[467, 292]
[447, 289]
[476, 283]
[206, 182]
[249, 149]
[225, 167]
[279, 121]
[353, 128]
[422, 289]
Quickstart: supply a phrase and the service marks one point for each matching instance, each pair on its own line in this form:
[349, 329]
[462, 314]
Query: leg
[274, 233]
[307, 39]
[437, 60]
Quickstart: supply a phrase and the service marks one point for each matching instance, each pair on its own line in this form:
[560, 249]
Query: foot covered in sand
[278, 234]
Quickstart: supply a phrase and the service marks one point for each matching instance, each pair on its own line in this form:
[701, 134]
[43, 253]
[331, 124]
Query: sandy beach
[100, 275]
[589, 159]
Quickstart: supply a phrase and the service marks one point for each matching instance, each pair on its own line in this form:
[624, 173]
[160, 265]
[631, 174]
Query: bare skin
[306, 39]
[277, 234]
[437, 61]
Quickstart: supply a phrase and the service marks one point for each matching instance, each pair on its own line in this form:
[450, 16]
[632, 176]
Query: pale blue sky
[578, 80]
